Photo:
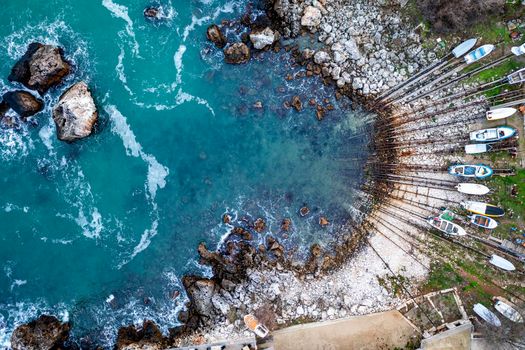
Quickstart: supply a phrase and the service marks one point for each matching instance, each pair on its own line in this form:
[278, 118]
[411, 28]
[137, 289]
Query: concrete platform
[458, 338]
[385, 330]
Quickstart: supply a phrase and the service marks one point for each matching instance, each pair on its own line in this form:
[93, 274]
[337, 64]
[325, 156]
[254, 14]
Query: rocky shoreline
[366, 49]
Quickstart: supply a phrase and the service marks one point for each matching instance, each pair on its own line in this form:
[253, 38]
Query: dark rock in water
[200, 292]
[75, 113]
[41, 67]
[214, 34]
[297, 104]
[304, 211]
[44, 333]
[152, 13]
[149, 337]
[237, 53]
[286, 224]
[259, 225]
[323, 221]
[4, 107]
[23, 103]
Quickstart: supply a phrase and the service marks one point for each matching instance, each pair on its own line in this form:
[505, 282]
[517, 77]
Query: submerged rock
[149, 337]
[152, 13]
[304, 211]
[259, 225]
[323, 221]
[237, 53]
[44, 333]
[261, 39]
[297, 104]
[41, 67]
[23, 103]
[215, 35]
[75, 113]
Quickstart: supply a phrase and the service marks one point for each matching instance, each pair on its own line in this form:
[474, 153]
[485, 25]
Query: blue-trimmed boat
[494, 134]
[479, 171]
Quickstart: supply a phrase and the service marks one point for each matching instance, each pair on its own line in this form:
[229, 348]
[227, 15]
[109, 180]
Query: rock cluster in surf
[42, 68]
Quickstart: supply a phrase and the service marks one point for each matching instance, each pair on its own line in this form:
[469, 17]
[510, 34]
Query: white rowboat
[508, 311]
[502, 263]
[464, 47]
[487, 315]
[493, 134]
[475, 189]
[483, 221]
[477, 148]
[478, 53]
[500, 113]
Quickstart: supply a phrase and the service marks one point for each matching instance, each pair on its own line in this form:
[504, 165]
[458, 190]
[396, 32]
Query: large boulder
[200, 292]
[215, 35]
[149, 337]
[44, 333]
[263, 38]
[75, 113]
[311, 17]
[41, 67]
[237, 53]
[23, 103]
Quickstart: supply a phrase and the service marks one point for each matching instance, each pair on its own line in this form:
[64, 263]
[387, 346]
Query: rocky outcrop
[148, 337]
[215, 35]
[237, 53]
[152, 13]
[23, 103]
[75, 113]
[311, 17]
[263, 38]
[44, 333]
[41, 67]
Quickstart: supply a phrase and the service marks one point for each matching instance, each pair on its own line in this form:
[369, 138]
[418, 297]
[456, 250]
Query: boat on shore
[502, 263]
[483, 209]
[518, 50]
[479, 171]
[475, 189]
[479, 53]
[487, 315]
[493, 134]
[255, 326]
[477, 148]
[516, 77]
[500, 113]
[444, 224]
[464, 47]
[508, 311]
[483, 221]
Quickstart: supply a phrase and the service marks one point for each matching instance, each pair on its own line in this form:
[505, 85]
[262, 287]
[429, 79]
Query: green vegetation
[442, 276]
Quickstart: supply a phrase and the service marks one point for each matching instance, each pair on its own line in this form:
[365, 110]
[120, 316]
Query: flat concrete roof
[458, 338]
[385, 330]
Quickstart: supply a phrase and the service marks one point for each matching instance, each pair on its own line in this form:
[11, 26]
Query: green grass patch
[442, 276]
[501, 187]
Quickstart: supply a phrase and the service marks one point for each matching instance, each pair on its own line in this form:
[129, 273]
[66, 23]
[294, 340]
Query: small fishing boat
[516, 77]
[502, 263]
[518, 50]
[479, 171]
[464, 47]
[479, 53]
[477, 148]
[494, 134]
[475, 189]
[483, 209]
[444, 224]
[500, 113]
[508, 311]
[487, 315]
[255, 326]
[483, 221]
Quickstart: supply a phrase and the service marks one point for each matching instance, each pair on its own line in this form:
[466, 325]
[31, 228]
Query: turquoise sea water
[179, 144]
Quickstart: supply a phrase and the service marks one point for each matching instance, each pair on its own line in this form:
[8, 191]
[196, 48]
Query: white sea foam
[17, 283]
[120, 71]
[156, 177]
[183, 97]
[177, 59]
[93, 228]
[46, 134]
[121, 11]
[15, 144]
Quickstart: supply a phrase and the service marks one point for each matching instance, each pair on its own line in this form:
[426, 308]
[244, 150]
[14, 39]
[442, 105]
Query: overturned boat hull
[508, 311]
[487, 315]
[500, 113]
[474, 189]
[502, 263]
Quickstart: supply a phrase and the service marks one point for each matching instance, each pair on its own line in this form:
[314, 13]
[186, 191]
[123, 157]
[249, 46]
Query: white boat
[464, 47]
[255, 326]
[500, 113]
[483, 208]
[493, 134]
[444, 224]
[487, 315]
[502, 263]
[477, 148]
[517, 77]
[483, 221]
[508, 311]
[518, 50]
[475, 189]
[479, 53]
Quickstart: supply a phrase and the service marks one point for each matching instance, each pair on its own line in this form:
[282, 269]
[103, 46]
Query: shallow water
[179, 144]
